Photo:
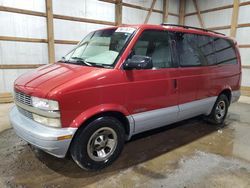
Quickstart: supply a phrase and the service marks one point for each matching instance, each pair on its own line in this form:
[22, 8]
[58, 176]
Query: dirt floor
[187, 154]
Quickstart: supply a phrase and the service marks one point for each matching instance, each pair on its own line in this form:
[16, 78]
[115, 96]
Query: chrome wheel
[220, 110]
[102, 144]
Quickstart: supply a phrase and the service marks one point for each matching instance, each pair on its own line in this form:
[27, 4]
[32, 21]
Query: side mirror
[138, 62]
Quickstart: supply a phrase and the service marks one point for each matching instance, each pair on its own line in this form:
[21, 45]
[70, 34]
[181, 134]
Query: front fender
[81, 118]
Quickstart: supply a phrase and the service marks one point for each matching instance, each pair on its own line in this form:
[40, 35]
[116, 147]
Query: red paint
[85, 91]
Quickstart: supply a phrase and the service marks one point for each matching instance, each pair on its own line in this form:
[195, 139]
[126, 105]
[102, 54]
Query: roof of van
[180, 28]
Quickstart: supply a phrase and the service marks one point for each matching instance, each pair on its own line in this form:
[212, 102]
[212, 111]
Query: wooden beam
[198, 13]
[138, 7]
[245, 91]
[165, 11]
[182, 12]
[244, 46]
[219, 27]
[173, 14]
[245, 3]
[118, 12]
[210, 10]
[6, 98]
[150, 11]
[243, 25]
[20, 66]
[22, 39]
[245, 66]
[50, 31]
[234, 19]
[22, 11]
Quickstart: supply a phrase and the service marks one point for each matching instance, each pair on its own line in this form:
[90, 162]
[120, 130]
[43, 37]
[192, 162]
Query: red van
[121, 81]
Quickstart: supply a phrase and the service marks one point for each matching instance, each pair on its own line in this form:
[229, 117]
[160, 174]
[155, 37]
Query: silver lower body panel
[235, 96]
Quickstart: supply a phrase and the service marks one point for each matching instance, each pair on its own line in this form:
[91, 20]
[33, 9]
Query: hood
[42, 80]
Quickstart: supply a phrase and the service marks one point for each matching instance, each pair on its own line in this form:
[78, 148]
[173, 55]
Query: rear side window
[193, 50]
[224, 51]
[205, 46]
[155, 44]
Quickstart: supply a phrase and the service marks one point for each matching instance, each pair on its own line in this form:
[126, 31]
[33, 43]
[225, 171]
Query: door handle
[175, 83]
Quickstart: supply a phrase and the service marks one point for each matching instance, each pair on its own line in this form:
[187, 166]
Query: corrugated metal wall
[20, 25]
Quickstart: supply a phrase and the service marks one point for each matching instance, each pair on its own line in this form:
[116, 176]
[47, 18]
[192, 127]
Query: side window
[224, 51]
[188, 50]
[205, 45]
[155, 44]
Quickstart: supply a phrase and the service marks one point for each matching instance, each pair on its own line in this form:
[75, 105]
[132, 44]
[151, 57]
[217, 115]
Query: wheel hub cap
[102, 144]
[220, 110]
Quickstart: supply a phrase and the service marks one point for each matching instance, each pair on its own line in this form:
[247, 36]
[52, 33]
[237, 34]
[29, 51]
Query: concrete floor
[191, 153]
[4, 120]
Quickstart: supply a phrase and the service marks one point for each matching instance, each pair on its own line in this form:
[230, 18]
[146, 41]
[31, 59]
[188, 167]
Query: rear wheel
[219, 111]
[98, 144]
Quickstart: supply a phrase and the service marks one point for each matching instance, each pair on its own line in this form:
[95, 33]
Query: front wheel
[98, 144]
[219, 111]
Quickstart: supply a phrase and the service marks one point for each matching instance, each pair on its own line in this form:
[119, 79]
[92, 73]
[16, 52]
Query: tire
[99, 144]
[219, 111]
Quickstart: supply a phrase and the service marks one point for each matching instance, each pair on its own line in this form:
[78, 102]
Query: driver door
[152, 94]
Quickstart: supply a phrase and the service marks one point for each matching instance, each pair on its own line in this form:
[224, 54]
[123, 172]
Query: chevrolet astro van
[121, 81]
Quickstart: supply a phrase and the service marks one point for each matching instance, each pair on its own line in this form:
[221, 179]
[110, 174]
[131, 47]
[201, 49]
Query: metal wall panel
[93, 9]
[35, 5]
[245, 77]
[71, 30]
[244, 14]
[136, 16]
[62, 49]
[20, 25]
[192, 21]
[242, 35]
[245, 56]
[23, 53]
[225, 31]
[205, 4]
[174, 6]
[189, 6]
[173, 19]
[8, 78]
[145, 3]
[217, 18]
[155, 18]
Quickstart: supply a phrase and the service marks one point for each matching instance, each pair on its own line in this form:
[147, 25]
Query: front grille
[26, 100]
[23, 98]
[25, 112]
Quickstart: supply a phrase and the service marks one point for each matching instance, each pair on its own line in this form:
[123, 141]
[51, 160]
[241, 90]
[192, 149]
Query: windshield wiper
[101, 65]
[80, 60]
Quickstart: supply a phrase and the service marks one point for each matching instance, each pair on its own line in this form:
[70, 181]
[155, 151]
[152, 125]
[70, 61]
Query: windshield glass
[100, 48]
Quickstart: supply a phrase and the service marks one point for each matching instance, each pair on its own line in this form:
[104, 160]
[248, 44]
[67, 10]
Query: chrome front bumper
[51, 140]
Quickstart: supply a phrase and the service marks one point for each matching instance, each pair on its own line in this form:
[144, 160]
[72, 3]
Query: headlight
[53, 122]
[44, 104]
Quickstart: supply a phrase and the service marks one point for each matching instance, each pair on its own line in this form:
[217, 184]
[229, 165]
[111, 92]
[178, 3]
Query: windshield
[100, 48]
